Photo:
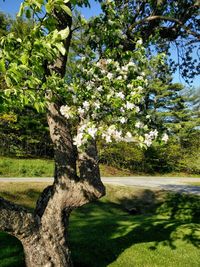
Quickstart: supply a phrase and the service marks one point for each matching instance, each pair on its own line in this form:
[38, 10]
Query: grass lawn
[164, 231]
[13, 167]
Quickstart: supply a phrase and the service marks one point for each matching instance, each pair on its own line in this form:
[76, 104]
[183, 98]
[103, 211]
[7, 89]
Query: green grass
[13, 167]
[165, 231]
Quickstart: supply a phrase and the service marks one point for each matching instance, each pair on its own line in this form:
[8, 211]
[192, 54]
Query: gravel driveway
[177, 184]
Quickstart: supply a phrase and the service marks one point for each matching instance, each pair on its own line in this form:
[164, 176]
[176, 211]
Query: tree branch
[89, 170]
[164, 18]
[15, 219]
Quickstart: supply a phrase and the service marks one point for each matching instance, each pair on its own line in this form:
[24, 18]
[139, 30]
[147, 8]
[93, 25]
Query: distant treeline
[25, 135]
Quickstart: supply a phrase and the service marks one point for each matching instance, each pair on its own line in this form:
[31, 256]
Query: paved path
[177, 184]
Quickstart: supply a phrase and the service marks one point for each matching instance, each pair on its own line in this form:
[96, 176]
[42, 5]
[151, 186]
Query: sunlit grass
[164, 231]
[12, 167]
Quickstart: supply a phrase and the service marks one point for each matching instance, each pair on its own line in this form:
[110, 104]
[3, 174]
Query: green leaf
[21, 10]
[28, 14]
[37, 106]
[48, 8]
[67, 10]
[64, 33]
[24, 58]
[61, 48]
[2, 66]
[7, 92]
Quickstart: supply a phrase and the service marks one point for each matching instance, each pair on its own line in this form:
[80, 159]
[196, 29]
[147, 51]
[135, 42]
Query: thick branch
[15, 219]
[164, 18]
[89, 170]
[64, 151]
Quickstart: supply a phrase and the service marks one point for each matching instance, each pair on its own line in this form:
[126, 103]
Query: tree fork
[44, 234]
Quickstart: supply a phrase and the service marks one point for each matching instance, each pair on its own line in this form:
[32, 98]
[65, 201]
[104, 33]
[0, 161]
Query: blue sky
[12, 6]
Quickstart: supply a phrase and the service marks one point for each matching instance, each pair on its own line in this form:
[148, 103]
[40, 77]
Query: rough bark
[44, 234]
[15, 220]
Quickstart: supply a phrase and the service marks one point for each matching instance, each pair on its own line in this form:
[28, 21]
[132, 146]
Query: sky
[12, 6]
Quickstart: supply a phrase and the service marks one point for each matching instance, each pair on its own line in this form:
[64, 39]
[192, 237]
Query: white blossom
[92, 131]
[148, 140]
[98, 64]
[120, 94]
[78, 140]
[100, 88]
[117, 135]
[131, 64]
[128, 137]
[165, 137]
[111, 129]
[108, 139]
[125, 68]
[139, 88]
[66, 111]
[81, 111]
[140, 78]
[110, 22]
[137, 109]
[122, 110]
[108, 61]
[139, 124]
[110, 76]
[139, 42]
[153, 133]
[149, 137]
[129, 86]
[86, 104]
[129, 105]
[122, 120]
[97, 104]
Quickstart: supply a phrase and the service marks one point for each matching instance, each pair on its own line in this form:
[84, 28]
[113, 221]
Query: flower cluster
[106, 96]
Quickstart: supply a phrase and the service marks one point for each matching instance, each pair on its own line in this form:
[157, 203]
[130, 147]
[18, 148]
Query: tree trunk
[48, 246]
[44, 234]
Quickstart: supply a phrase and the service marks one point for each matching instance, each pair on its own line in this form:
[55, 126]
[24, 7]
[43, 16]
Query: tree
[102, 100]
[164, 24]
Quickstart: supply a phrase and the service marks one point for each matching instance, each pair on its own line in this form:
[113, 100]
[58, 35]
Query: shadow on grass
[11, 251]
[27, 198]
[101, 231]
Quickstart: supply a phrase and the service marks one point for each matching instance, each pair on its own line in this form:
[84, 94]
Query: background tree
[164, 24]
[23, 132]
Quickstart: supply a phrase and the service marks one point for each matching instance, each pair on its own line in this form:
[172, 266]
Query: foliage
[163, 24]
[25, 133]
[105, 41]
[177, 156]
[91, 112]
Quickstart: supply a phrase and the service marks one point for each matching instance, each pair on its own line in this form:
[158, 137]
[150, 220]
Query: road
[177, 184]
